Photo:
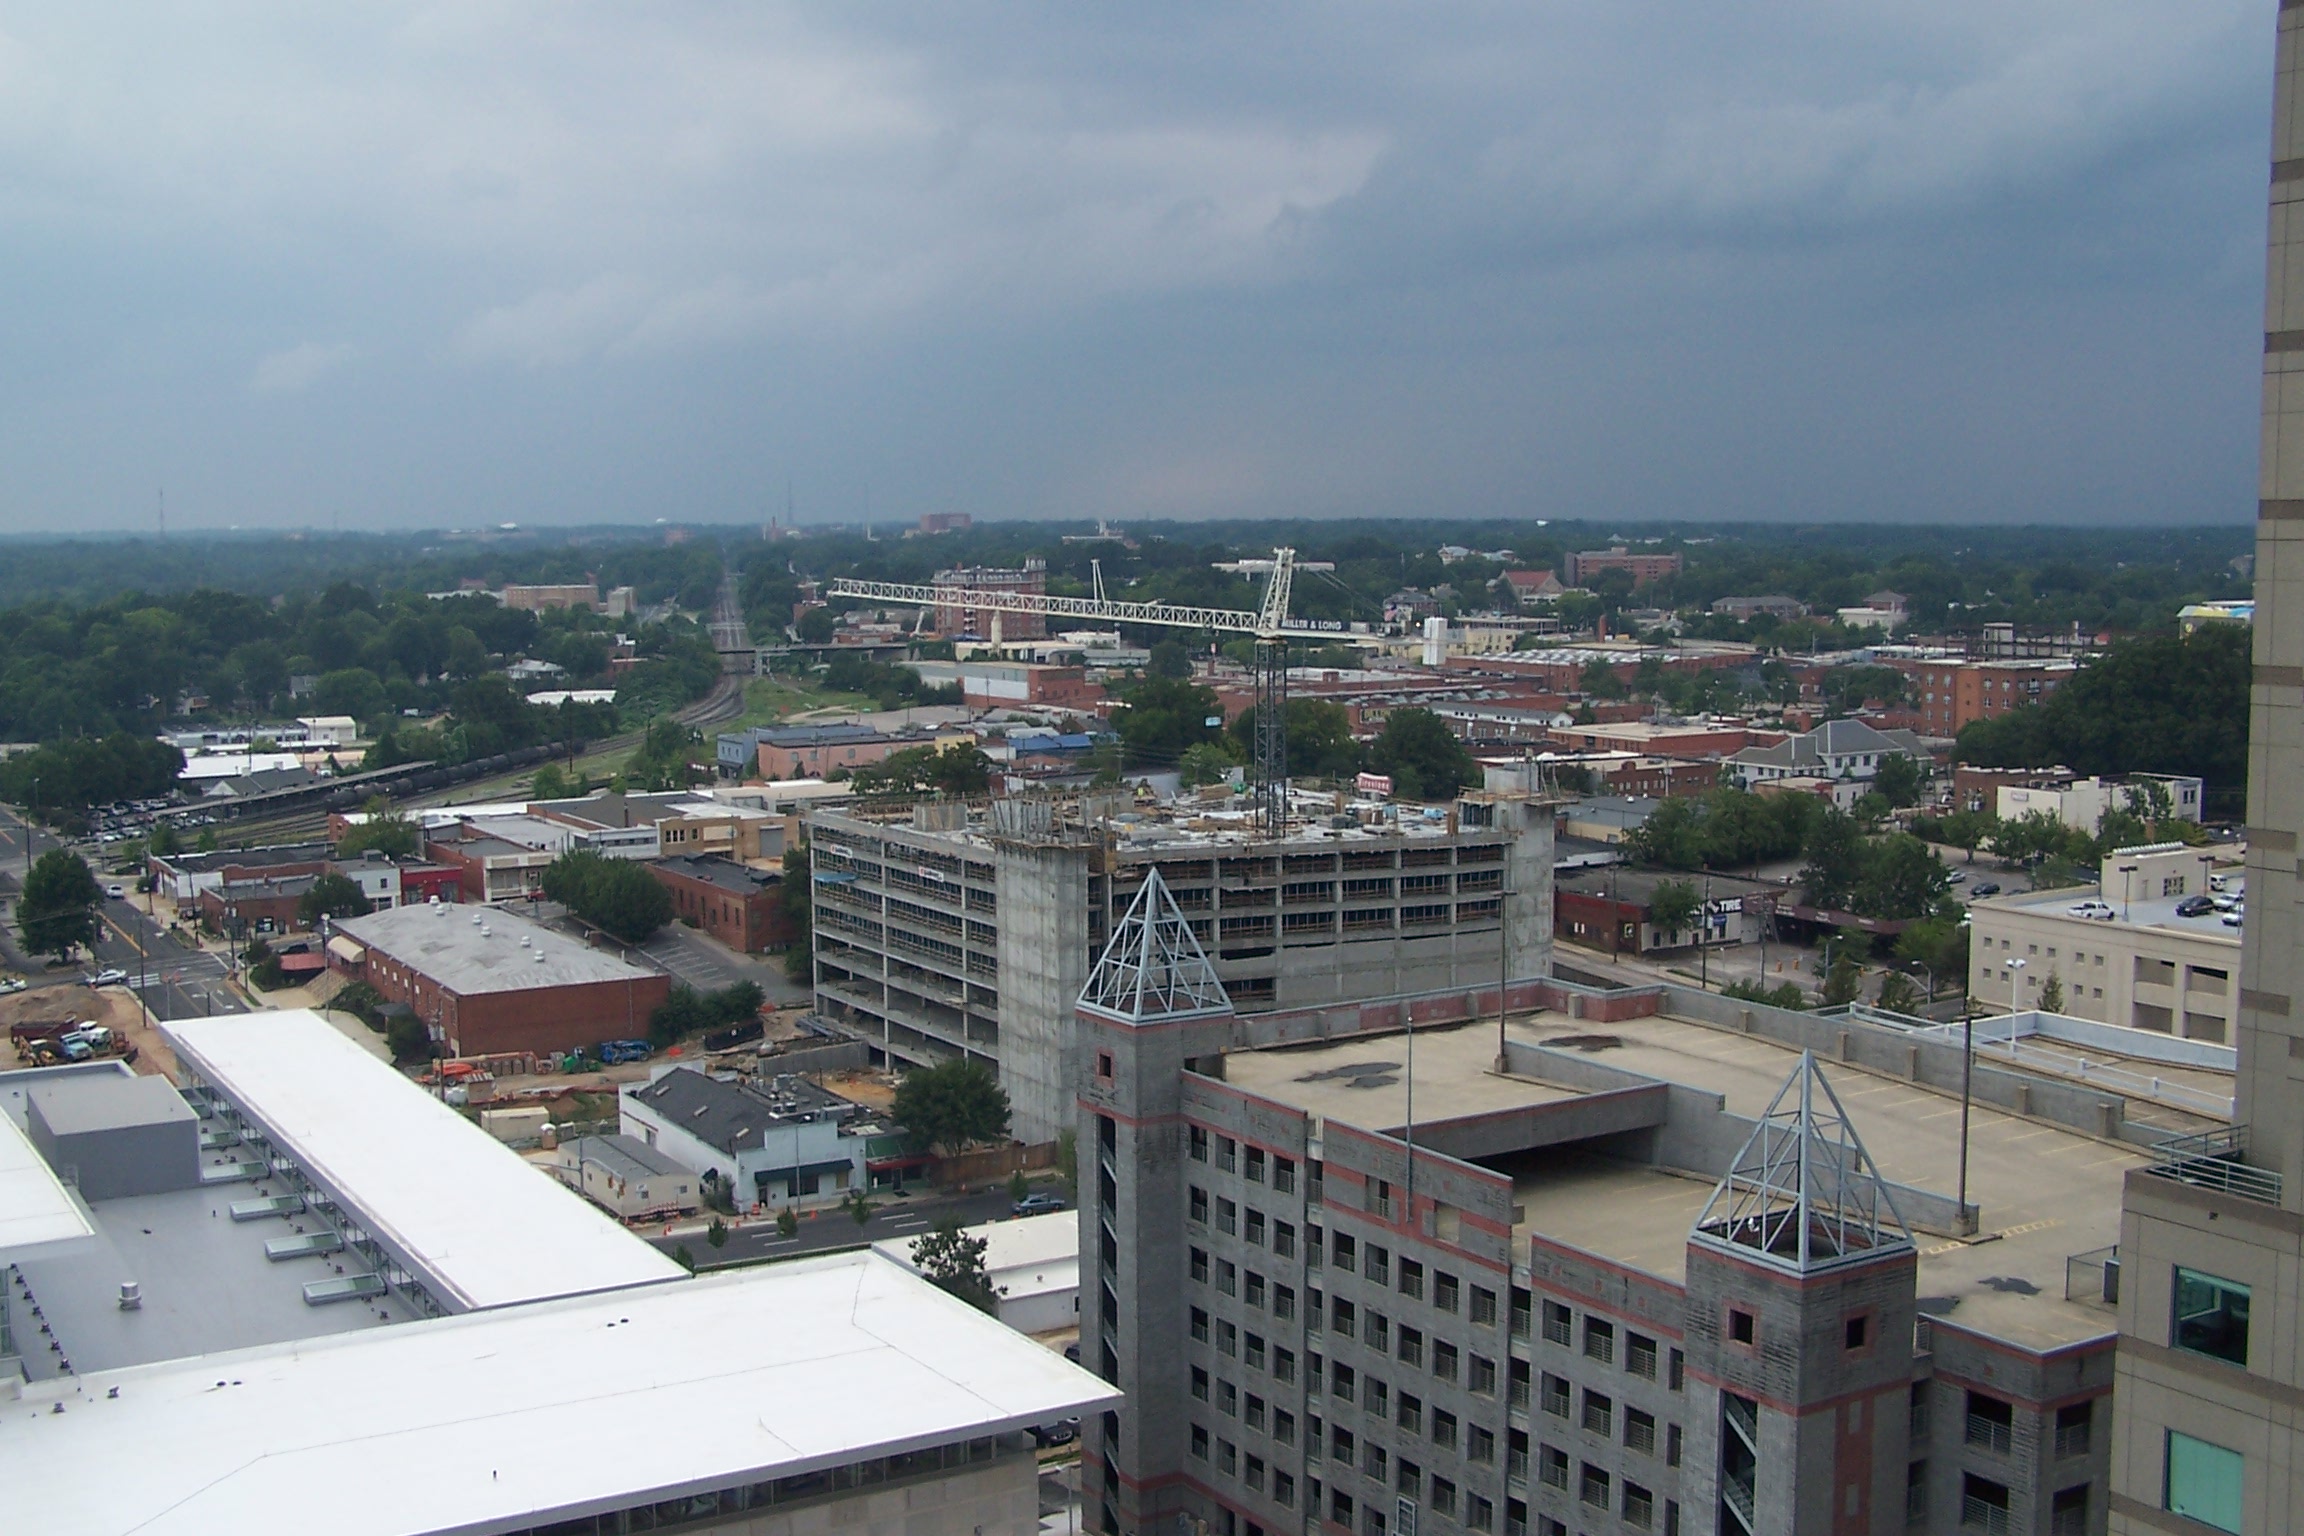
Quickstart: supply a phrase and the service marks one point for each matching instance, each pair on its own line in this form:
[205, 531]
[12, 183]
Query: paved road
[837, 1229]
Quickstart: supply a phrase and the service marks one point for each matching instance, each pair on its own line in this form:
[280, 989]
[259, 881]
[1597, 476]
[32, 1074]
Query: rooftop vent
[131, 1296]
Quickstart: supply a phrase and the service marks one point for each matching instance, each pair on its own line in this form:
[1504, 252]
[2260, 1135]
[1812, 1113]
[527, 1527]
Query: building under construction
[950, 929]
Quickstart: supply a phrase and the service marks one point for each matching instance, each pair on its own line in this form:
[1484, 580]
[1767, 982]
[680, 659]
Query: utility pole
[1503, 972]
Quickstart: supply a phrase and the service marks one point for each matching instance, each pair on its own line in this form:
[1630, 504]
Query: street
[833, 1228]
[175, 977]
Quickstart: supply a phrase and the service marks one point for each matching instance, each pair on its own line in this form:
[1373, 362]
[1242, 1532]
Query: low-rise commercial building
[1837, 749]
[780, 1142]
[2081, 803]
[1033, 1263]
[742, 908]
[627, 1178]
[492, 982]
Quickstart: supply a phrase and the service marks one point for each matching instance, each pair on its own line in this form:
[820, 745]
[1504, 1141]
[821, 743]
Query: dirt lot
[115, 1006]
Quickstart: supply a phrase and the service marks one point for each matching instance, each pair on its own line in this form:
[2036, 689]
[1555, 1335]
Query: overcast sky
[1970, 260]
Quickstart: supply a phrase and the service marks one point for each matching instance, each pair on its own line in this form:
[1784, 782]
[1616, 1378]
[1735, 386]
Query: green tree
[787, 1223]
[1970, 830]
[1170, 659]
[332, 895]
[1941, 944]
[1163, 716]
[817, 626]
[1423, 757]
[1836, 861]
[1673, 835]
[2052, 993]
[859, 1206]
[1902, 878]
[58, 911]
[407, 1039]
[795, 893]
[1898, 994]
[951, 1260]
[1320, 741]
[618, 895]
[1844, 979]
[1674, 908]
[1898, 780]
[1787, 996]
[1018, 1185]
[958, 769]
[682, 1257]
[952, 1105]
[716, 1233]
[1205, 762]
[1068, 1162]
[385, 830]
[2162, 703]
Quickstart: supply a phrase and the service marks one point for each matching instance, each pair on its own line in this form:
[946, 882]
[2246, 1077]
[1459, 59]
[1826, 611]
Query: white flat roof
[478, 1224]
[736, 1378]
[1027, 1254]
[36, 1211]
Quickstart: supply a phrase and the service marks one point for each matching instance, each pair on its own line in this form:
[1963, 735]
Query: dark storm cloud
[416, 265]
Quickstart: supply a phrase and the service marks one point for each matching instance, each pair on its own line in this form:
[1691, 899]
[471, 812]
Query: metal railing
[1992, 1434]
[1983, 1515]
[2212, 1160]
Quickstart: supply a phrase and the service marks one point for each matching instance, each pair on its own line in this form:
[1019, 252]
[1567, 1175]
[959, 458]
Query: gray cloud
[1799, 258]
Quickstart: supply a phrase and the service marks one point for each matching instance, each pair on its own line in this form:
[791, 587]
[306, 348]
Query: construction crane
[1269, 623]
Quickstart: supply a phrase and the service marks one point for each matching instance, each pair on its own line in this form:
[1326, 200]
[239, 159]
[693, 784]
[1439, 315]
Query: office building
[1583, 565]
[969, 931]
[956, 615]
[2211, 1369]
[1948, 693]
[1699, 1268]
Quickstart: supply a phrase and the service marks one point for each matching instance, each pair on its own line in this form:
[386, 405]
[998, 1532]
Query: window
[1227, 1216]
[1284, 1175]
[1200, 1442]
[1227, 1399]
[1200, 1325]
[1444, 1359]
[1200, 1265]
[1983, 1505]
[1373, 1460]
[1483, 1306]
[1639, 1506]
[1411, 1345]
[1676, 1373]
[1557, 1325]
[1742, 1326]
[1255, 1228]
[1227, 1278]
[2203, 1482]
[1412, 1279]
[1197, 1207]
[1104, 1064]
[1916, 1493]
[1443, 1496]
[1671, 1445]
[2074, 1422]
[1255, 1290]
[1378, 1267]
[1253, 1473]
[1552, 1467]
[1283, 1301]
[1600, 1340]
[1283, 1427]
[1284, 1239]
[1379, 1197]
[1377, 1395]
[1376, 1330]
[1445, 1291]
[1341, 1380]
[1283, 1364]
[1556, 1395]
[1199, 1384]
[1479, 1514]
[1443, 1429]
[1227, 1457]
[1482, 1378]
[1343, 1251]
[1340, 1506]
[1252, 1414]
[2068, 1512]
[1599, 1414]
[2211, 1317]
[1340, 1444]
[1253, 1351]
[1640, 1355]
[1857, 1332]
[1284, 1490]
[1640, 1431]
[1227, 1154]
[1479, 1444]
[1312, 1246]
[1411, 1415]
[1227, 1339]
[1592, 1486]
[1341, 1316]
[1198, 1136]
[1991, 1423]
[1255, 1165]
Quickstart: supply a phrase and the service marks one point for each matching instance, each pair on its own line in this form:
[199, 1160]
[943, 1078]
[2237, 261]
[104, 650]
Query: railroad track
[725, 701]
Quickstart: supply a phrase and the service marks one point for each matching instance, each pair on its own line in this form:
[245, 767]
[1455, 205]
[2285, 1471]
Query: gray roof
[249, 858]
[724, 873]
[1834, 738]
[625, 1156]
[731, 1116]
[77, 1105]
[1638, 886]
[470, 951]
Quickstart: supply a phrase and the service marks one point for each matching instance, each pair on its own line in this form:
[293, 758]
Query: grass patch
[769, 700]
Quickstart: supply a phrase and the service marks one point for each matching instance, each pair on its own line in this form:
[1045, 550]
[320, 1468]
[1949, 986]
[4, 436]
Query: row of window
[1373, 1263]
[1600, 1334]
[1599, 1418]
[1596, 1487]
[1376, 1334]
[1252, 1163]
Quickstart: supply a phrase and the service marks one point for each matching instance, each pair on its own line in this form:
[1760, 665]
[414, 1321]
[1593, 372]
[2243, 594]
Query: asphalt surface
[175, 977]
[835, 1228]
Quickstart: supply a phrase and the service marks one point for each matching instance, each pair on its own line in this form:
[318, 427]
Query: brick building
[1583, 565]
[958, 616]
[1947, 695]
[490, 982]
[742, 908]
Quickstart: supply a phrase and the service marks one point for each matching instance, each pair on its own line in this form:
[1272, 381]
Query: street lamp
[2127, 888]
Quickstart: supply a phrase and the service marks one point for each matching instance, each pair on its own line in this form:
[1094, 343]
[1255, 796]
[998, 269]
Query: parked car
[1039, 1205]
[110, 976]
[116, 891]
[1984, 888]
[1957, 877]
[14, 984]
[1062, 1432]
[2090, 908]
[614, 1051]
[2235, 919]
[2195, 906]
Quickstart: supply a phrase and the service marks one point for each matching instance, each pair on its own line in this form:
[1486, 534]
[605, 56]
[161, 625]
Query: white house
[1033, 1262]
[1837, 749]
[778, 1143]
